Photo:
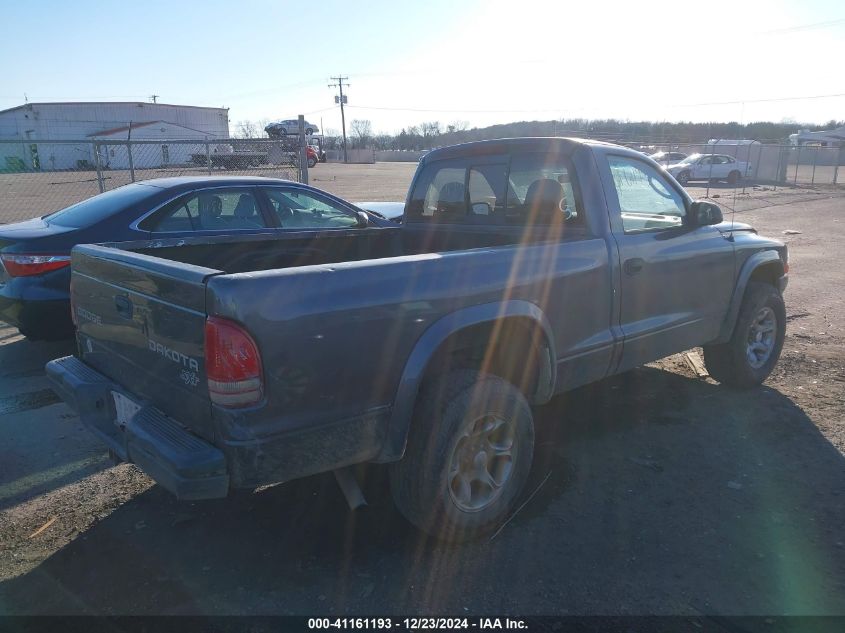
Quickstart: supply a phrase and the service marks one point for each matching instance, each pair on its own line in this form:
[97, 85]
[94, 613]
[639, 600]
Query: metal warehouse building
[34, 125]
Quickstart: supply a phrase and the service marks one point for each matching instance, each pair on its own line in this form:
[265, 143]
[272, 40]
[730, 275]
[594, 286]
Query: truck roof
[502, 145]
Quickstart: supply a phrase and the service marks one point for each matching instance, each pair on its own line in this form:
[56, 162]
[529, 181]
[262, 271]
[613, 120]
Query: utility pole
[153, 98]
[341, 100]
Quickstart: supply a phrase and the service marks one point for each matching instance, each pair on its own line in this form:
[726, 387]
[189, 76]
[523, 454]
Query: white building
[33, 125]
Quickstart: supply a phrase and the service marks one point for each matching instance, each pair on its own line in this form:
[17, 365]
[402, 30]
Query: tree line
[436, 134]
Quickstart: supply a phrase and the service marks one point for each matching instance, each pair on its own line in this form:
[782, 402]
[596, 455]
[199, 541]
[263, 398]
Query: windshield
[99, 207]
[689, 159]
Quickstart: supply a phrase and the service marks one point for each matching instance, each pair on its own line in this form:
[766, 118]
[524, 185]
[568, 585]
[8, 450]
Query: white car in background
[667, 158]
[709, 167]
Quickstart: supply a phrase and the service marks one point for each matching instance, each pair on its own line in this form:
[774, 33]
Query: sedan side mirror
[363, 218]
[703, 213]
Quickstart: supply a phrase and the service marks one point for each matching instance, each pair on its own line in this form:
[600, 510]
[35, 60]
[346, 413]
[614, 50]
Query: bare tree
[362, 131]
[430, 131]
[247, 129]
[457, 126]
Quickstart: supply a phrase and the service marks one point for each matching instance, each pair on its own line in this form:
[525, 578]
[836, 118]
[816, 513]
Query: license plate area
[124, 409]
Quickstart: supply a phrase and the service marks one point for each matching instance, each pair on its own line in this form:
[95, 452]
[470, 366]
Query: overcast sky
[482, 62]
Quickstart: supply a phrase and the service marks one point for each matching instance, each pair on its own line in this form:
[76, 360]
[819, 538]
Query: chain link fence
[38, 177]
[796, 165]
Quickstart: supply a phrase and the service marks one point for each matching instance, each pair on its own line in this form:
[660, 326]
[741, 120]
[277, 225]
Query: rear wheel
[683, 177]
[468, 457]
[309, 131]
[60, 330]
[312, 162]
[751, 354]
[733, 177]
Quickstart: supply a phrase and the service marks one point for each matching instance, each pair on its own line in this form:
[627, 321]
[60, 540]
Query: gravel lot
[657, 491]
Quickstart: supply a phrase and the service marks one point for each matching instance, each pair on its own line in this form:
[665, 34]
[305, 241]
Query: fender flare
[429, 343]
[763, 258]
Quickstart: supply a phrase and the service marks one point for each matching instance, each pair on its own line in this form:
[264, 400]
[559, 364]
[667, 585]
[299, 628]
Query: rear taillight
[24, 265]
[232, 364]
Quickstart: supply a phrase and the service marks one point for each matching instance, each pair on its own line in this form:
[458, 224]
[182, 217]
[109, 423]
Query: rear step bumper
[181, 462]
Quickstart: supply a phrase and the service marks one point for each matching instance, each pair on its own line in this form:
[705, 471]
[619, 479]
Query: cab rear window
[523, 189]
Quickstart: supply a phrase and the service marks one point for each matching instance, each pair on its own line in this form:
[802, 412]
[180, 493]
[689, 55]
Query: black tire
[283, 131]
[683, 178]
[449, 408]
[309, 131]
[733, 177]
[312, 162]
[729, 362]
[59, 331]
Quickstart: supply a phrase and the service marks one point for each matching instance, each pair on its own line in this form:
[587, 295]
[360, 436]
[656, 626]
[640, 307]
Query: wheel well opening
[514, 349]
[767, 273]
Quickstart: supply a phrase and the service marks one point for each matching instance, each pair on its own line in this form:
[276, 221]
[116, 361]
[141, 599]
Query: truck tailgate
[140, 322]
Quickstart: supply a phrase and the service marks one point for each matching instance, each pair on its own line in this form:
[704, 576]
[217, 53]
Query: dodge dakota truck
[523, 268]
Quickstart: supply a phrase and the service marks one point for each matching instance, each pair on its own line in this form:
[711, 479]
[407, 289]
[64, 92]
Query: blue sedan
[35, 254]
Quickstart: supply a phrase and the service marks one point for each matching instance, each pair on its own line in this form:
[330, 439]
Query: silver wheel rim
[761, 337]
[482, 463]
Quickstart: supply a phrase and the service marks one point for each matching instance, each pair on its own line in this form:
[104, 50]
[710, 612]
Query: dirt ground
[654, 492]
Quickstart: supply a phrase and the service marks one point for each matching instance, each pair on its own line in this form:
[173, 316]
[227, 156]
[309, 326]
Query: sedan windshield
[689, 159]
[100, 207]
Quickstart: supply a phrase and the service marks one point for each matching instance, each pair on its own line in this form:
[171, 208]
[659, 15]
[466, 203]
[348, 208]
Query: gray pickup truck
[523, 268]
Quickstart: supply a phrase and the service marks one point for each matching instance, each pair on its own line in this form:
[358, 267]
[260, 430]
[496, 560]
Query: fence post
[303, 155]
[838, 161]
[797, 163]
[100, 182]
[815, 160]
[131, 162]
[710, 173]
[208, 158]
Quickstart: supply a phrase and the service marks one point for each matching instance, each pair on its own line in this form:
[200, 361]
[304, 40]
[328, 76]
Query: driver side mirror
[703, 213]
[363, 218]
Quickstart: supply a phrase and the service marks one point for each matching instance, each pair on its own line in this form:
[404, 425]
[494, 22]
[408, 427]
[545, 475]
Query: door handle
[634, 265]
[123, 306]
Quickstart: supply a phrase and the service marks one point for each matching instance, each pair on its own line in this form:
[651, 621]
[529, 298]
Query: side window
[297, 209]
[540, 190]
[445, 197]
[487, 190]
[647, 201]
[207, 210]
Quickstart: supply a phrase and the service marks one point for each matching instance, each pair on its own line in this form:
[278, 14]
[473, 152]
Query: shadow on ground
[42, 444]
[664, 495]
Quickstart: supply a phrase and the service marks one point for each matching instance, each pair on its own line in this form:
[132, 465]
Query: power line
[771, 100]
[540, 110]
[362, 107]
[804, 27]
